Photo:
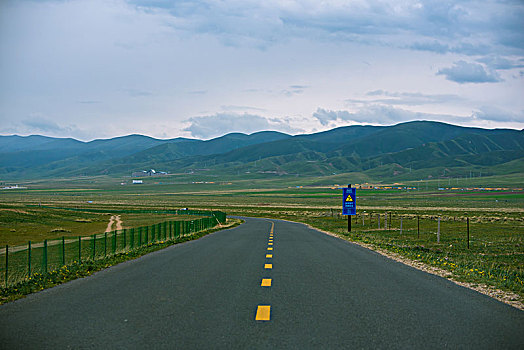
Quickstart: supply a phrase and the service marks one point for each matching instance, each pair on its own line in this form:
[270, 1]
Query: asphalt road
[205, 294]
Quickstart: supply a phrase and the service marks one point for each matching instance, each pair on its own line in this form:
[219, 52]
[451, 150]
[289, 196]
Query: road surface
[229, 290]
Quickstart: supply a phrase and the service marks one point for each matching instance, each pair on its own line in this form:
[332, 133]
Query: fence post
[125, 245]
[418, 226]
[114, 241]
[378, 222]
[468, 231]
[105, 244]
[386, 221]
[438, 230]
[140, 236]
[401, 225]
[132, 237]
[94, 246]
[63, 251]
[79, 249]
[45, 256]
[6, 263]
[29, 258]
[147, 235]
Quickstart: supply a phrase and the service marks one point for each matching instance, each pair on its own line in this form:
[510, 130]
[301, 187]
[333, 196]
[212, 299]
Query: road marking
[268, 266]
[266, 282]
[270, 243]
[269, 256]
[270, 248]
[263, 313]
[271, 240]
[272, 226]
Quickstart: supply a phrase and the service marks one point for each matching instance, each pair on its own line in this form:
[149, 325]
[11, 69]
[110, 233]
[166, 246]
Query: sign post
[349, 203]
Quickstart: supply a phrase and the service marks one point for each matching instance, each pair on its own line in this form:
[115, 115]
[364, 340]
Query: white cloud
[222, 123]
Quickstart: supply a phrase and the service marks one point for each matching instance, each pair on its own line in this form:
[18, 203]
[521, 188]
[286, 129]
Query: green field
[495, 256]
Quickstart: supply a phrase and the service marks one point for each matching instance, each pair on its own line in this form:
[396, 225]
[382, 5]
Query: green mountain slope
[407, 150]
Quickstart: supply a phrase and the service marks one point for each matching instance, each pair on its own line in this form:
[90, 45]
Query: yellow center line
[269, 256]
[272, 226]
[268, 266]
[263, 313]
[266, 282]
[270, 243]
[269, 248]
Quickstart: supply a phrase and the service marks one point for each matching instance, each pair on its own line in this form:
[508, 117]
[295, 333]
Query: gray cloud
[503, 63]
[496, 114]
[463, 72]
[383, 115]
[386, 115]
[404, 98]
[37, 124]
[222, 123]
[294, 90]
[234, 108]
[138, 93]
[436, 26]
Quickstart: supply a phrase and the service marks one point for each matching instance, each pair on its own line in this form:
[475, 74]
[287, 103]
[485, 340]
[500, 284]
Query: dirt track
[115, 219]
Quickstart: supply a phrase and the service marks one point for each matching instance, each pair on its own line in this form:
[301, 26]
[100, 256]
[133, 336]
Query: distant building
[151, 172]
[138, 182]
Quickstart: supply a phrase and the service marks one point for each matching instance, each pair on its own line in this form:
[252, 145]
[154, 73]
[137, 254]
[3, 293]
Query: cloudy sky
[102, 68]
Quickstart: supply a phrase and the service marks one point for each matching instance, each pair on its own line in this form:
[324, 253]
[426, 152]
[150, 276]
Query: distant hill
[412, 150]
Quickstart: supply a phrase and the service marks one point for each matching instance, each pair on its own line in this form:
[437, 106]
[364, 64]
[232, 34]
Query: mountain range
[412, 150]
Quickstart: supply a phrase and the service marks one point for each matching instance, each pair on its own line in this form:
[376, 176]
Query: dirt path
[116, 220]
[110, 224]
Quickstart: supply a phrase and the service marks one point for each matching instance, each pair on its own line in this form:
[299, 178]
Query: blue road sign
[349, 201]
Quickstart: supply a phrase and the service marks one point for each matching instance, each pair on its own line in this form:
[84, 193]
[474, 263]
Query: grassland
[494, 258]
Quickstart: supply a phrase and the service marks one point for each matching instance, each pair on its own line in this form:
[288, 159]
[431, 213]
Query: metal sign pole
[349, 206]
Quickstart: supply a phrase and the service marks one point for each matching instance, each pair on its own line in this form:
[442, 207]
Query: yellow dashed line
[266, 282]
[263, 313]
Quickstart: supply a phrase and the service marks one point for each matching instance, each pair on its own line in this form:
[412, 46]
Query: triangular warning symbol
[349, 199]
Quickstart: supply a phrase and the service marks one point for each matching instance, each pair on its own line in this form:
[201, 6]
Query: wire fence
[18, 263]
